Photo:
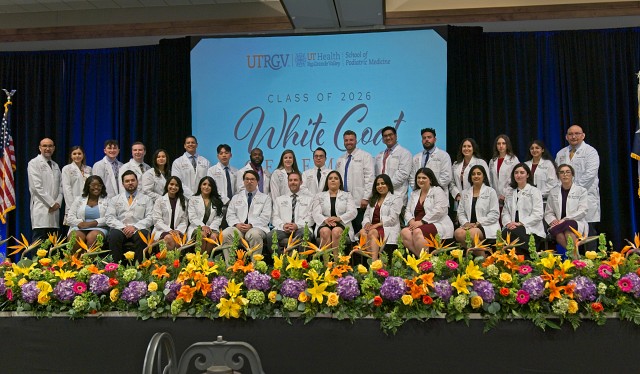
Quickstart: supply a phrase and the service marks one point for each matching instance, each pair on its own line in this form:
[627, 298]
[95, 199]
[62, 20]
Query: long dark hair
[546, 155]
[374, 191]
[496, 154]
[179, 194]
[485, 178]
[294, 166]
[214, 196]
[85, 189]
[429, 173]
[167, 166]
[326, 182]
[84, 155]
[513, 183]
[474, 145]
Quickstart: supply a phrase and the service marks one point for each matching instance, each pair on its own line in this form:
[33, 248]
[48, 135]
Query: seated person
[205, 211]
[170, 213]
[86, 215]
[382, 217]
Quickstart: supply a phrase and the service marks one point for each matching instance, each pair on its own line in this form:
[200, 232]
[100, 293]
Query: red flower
[504, 291]
[9, 294]
[377, 301]
[93, 311]
[113, 282]
[275, 274]
[176, 263]
[210, 263]
[79, 287]
[305, 264]
[426, 299]
[597, 307]
[383, 273]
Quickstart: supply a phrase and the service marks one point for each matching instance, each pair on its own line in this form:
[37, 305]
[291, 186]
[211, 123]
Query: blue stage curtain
[88, 96]
[534, 85]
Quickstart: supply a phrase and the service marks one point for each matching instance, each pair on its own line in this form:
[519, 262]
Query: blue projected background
[301, 92]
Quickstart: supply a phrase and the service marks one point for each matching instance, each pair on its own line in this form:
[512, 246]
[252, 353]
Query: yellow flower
[591, 255]
[332, 299]
[129, 255]
[42, 252]
[258, 257]
[44, 287]
[277, 261]
[43, 298]
[473, 271]
[318, 291]
[376, 265]
[362, 269]
[461, 284]
[407, 299]
[294, 261]
[566, 265]
[476, 302]
[153, 286]
[272, 296]
[65, 274]
[189, 256]
[45, 261]
[549, 261]
[233, 289]
[303, 297]
[505, 278]
[229, 308]
[457, 253]
[313, 275]
[113, 295]
[573, 307]
[22, 281]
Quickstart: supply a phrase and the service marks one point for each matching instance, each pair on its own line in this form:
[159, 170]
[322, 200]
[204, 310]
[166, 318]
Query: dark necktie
[50, 164]
[142, 168]
[346, 173]
[193, 162]
[319, 175]
[294, 201]
[426, 159]
[116, 171]
[249, 198]
[229, 191]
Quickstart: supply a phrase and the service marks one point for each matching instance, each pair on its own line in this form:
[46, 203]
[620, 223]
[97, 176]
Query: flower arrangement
[305, 281]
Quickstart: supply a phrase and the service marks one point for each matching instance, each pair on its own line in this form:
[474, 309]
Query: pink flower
[425, 266]
[579, 264]
[451, 264]
[605, 271]
[9, 294]
[525, 269]
[522, 297]
[625, 285]
[383, 273]
[111, 266]
[79, 287]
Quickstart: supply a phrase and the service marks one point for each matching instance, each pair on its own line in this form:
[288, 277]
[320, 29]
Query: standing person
[291, 212]
[128, 213]
[356, 169]
[136, 164]
[224, 174]
[279, 184]
[395, 161]
[585, 162]
[170, 213]
[108, 169]
[501, 165]
[46, 191]
[313, 179]
[255, 163]
[433, 158]
[74, 174]
[382, 218]
[567, 207]
[205, 211]
[478, 211]
[468, 156]
[87, 215]
[542, 167]
[155, 179]
[190, 167]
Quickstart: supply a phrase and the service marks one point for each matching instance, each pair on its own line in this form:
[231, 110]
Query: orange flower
[75, 261]
[186, 293]
[568, 290]
[597, 307]
[427, 279]
[554, 291]
[93, 269]
[615, 259]
[339, 270]
[160, 272]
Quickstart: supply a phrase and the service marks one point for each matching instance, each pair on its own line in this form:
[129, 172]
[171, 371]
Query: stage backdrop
[302, 92]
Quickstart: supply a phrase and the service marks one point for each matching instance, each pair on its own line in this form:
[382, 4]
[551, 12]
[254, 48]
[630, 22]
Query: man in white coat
[46, 191]
[224, 174]
[256, 157]
[136, 163]
[291, 213]
[356, 168]
[314, 178]
[433, 158]
[129, 213]
[190, 167]
[395, 161]
[109, 168]
[585, 161]
[248, 214]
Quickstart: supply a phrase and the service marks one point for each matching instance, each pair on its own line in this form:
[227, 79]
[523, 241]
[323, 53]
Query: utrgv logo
[274, 62]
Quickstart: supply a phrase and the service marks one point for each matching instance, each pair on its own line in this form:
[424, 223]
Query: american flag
[7, 166]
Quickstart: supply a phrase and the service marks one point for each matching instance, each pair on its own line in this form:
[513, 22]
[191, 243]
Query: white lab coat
[139, 214]
[487, 209]
[500, 181]
[439, 162]
[219, 175]
[577, 206]
[398, 169]
[153, 185]
[436, 207]
[360, 178]
[162, 216]
[528, 202]
[282, 210]
[134, 167]
[545, 177]
[266, 179]
[45, 188]
[389, 216]
[457, 184]
[196, 215]
[76, 213]
[279, 184]
[310, 180]
[72, 183]
[104, 170]
[183, 169]
[345, 209]
[258, 214]
[586, 163]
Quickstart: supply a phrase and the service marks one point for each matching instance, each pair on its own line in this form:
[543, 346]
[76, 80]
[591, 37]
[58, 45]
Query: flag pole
[635, 152]
[7, 162]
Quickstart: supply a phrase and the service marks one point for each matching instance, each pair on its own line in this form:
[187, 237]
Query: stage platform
[116, 343]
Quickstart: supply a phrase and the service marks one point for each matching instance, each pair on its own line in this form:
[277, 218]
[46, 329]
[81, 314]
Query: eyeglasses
[564, 172]
[572, 134]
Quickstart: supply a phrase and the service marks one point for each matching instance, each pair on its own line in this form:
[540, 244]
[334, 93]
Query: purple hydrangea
[63, 291]
[99, 284]
[3, 287]
[534, 287]
[443, 289]
[292, 288]
[30, 292]
[134, 291]
[218, 288]
[484, 289]
[257, 281]
[585, 289]
[173, 288]
[348, 288]
[393, 288]
[634, 279]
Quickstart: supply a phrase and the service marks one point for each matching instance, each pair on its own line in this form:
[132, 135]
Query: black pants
[117, 243]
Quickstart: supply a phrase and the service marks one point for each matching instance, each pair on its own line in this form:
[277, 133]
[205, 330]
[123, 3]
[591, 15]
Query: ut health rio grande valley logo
[273, 62]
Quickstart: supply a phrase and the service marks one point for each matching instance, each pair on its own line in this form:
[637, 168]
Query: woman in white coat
[501, 165]
[468, 156]
[170, 213]
[333, 211]
[279, 183]
[382, 217]
[87, 213]
[154, 180]
[567, 207]
[523, 212]
[427, 212]
[542, 167]
[205, 211]
[74, 175]
[478, 211]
